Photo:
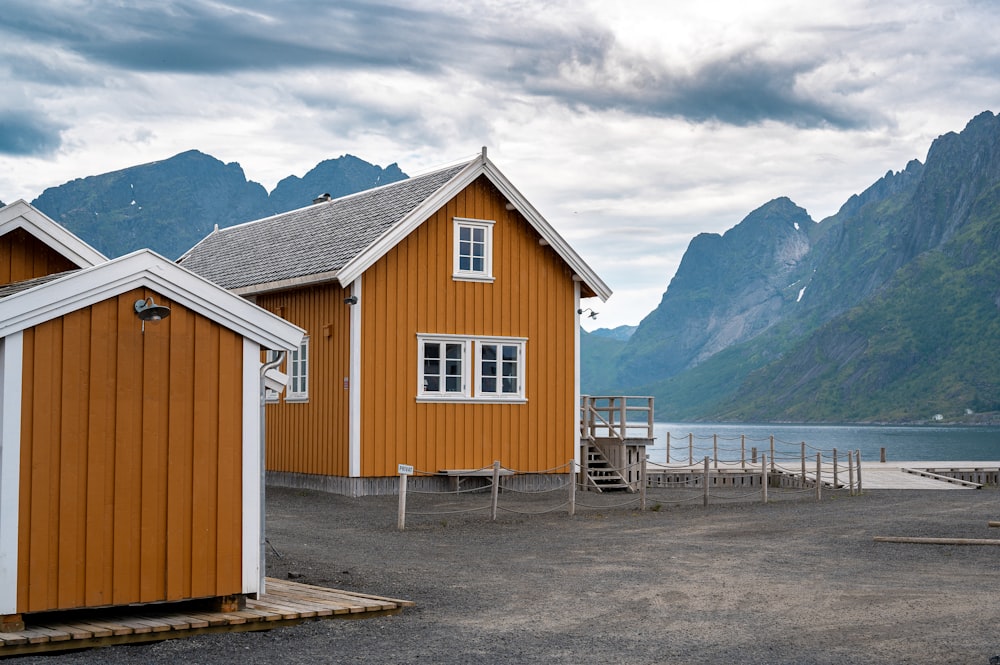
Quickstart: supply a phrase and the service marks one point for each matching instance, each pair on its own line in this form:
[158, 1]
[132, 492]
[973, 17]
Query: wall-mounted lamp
[147, 310]
[592, 314]
[351, 300]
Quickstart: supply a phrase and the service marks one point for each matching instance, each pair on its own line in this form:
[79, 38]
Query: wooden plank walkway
[285, 603]
[874, 475]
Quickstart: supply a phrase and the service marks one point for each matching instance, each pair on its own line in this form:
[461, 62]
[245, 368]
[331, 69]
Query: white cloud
[632, 126]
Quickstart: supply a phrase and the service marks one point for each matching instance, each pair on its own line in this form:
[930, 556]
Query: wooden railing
[616, 417]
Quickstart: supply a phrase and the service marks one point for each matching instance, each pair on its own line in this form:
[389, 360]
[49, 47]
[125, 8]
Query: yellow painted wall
[131, 459]
[312, 437]
[22, 256]
[411, 290]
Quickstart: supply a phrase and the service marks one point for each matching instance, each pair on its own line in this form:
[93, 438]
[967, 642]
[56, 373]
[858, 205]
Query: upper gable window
[473, 253]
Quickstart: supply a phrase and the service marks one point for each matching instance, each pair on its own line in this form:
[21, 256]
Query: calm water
[912, 444]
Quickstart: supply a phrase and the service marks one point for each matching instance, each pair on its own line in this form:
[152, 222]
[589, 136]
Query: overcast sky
[631, 126]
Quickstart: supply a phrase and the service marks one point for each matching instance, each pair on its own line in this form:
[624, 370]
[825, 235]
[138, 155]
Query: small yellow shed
[130, 439]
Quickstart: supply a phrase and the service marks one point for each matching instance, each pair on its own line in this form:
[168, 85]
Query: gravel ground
[793, 581]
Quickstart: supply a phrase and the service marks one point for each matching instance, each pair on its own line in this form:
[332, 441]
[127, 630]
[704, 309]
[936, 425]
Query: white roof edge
[145, 268]
[50, 232]
[282, 284]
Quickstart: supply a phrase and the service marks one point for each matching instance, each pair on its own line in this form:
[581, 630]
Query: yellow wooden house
[130, 449]
[442, 319]
[32, 245]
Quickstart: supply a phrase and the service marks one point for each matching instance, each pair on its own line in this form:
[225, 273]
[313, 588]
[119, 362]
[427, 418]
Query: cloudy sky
[632, 126]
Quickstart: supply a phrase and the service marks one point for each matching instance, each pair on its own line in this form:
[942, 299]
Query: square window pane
[489, 369]
[432, 350]
[465, 233]
[454, 351]
[453, 384]
[479, 234]
[510, 385]
[488, 351]
[477, 265]
[509, 352]
[489, 385]
[432, 366]
[509, 369]
[432, 384]
[453, 368]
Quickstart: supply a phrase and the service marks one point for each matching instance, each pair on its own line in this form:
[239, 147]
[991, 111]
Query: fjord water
[902, 443]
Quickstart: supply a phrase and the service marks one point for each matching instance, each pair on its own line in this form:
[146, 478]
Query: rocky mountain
[887, 311]
[171, 204]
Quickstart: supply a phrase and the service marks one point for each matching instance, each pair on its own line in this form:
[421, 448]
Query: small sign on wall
[347, 383]
[405, 469]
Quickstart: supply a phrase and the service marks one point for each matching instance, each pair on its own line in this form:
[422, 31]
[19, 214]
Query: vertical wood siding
[411, 290]
[312, 437]
[22, 256]
[131, 459]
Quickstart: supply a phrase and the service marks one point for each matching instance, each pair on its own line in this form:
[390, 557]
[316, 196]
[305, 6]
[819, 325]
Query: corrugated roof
[321, 238]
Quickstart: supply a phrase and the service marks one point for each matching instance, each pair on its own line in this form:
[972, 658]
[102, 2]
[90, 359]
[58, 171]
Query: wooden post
[763, 478]
[819, 476]
[401, 517]
[753, 455]
[850, 472]
[496, 490]
[668, 446]
[743, 451]
[857, 463]
[642, 483]
[704, 483]
[11, 623]
[715, 450]
[691, 448]
[572, 487]
[803, 464]
[772, 453]
[623, 418]
[881, 455]
[835, 472]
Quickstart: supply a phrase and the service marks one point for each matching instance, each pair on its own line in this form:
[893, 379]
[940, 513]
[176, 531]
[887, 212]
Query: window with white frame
[298, 373]
[500, 369]
[473, 250]
[443, 367]
[460, 368]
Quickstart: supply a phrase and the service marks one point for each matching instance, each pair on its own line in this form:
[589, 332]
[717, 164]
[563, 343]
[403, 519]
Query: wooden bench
[456, 475]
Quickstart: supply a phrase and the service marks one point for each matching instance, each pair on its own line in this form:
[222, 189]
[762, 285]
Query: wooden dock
[284, 604]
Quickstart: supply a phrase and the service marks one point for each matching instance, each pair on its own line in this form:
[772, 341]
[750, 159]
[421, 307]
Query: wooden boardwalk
[285, 603]
[875, 475]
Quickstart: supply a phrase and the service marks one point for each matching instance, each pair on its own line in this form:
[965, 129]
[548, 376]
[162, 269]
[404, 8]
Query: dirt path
[793, 581]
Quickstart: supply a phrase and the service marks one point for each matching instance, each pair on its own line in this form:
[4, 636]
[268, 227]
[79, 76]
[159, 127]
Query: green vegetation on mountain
[889, 311]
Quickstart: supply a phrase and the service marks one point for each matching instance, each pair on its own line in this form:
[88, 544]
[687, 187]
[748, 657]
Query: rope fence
[716, 478]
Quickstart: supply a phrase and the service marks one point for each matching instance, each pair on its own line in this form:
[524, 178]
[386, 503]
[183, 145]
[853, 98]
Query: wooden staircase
[601, 476]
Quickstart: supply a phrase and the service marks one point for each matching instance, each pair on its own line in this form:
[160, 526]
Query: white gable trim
[145, 268]
[11, 367]
[21, 214]
[482, 166]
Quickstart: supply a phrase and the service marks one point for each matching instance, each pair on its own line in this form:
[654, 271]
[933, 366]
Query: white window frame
[298, 373]
[442, 341]
[470, 275]
[472, 370]
[498, 394]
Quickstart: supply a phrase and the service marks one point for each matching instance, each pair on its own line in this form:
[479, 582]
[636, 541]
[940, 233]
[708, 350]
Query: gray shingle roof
[17, 287]
[317, 239]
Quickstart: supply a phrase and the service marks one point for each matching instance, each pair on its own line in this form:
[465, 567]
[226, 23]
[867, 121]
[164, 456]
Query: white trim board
[11, 368]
